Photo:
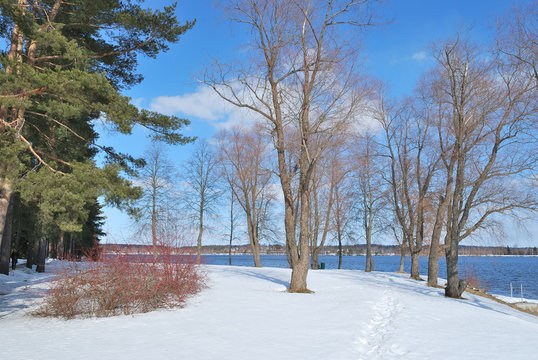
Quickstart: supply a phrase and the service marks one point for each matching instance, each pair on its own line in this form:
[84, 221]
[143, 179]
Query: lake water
[496, 272]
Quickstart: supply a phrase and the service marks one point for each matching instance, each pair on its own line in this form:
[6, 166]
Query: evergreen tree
[65, 66]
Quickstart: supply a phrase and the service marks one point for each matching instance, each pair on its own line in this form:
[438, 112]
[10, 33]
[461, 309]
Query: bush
[473, 280]
[122, 284]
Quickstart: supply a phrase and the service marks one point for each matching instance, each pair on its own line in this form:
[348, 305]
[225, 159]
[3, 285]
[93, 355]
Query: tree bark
[415, 253]
[402, 260]
[339, 251]
[433, 257]
[368, 227]
[199, 240]
[435, 246]
[317, 249]
[299, 274]
[6, 237]
[253, 238]
[231, 229]
[415, 275]
[154, 229]
[5, 200]
[369, 258]
[455, 287]
[41, 254]
[314, 249]
[299, 271]
[71, 244]
[256, 254]
[61, 246]
[315, 259]
[402, 251]
[433, 262]
[30, 254]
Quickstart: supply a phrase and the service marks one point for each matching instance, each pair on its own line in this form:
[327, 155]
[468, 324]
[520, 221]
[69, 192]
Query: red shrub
[123, 284]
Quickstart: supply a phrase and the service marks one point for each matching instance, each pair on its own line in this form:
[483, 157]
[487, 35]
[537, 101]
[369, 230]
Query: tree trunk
[231, 229]
[302, 261]
[433, 257]
[339, 252]
[200, 231]
[369, 259]
[61, 246]
[253, 239]
[71, 244]
[369, 263]
[298, 276]
[6, 236]
[402, 260]
[256, 254]
[402, 255]
[317, 249]
[30, 254]
[435, 247]
[154, 222]
[454, 287]
[41, 254]
[199, 245]
[15, 246]
[230, 251]
[154, 237]
[315, 258]
[314, 249]
[433, 264]
[415, 275]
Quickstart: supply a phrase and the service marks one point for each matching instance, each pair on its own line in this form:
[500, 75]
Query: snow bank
[245, 313]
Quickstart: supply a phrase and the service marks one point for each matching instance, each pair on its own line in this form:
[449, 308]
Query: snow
[245, 313]
[516, 299]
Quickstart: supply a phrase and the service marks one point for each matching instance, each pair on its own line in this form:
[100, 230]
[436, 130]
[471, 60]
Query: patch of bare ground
[533, 310]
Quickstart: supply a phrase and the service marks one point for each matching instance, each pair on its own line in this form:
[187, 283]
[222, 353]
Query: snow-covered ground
[245, 313]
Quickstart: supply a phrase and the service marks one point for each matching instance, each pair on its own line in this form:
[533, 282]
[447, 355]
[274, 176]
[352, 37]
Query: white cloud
[138, 102]
[419, 56]
[206, 105]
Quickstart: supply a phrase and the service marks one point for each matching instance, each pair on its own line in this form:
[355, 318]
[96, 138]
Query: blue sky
[396, 53]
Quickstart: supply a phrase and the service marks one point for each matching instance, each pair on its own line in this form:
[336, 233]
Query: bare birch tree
[370, 189]
[201, 180]
[244, 156]
[412, 167]
[233, 222]
[300, 74]
[322, 198]
[157, 201]
[343, 207]
[328, 175]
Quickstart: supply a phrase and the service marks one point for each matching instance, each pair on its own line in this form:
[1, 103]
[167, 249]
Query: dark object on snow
[322, 266]
[14, 258]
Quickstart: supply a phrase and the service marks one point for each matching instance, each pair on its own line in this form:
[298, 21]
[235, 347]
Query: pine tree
[65, 66]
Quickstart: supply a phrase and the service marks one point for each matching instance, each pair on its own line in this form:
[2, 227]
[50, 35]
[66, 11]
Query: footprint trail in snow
[374, 341]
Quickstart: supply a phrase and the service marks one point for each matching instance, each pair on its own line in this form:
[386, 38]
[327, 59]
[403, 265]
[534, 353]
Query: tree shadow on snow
[18, 294]
[404, 283]
[257, 275]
